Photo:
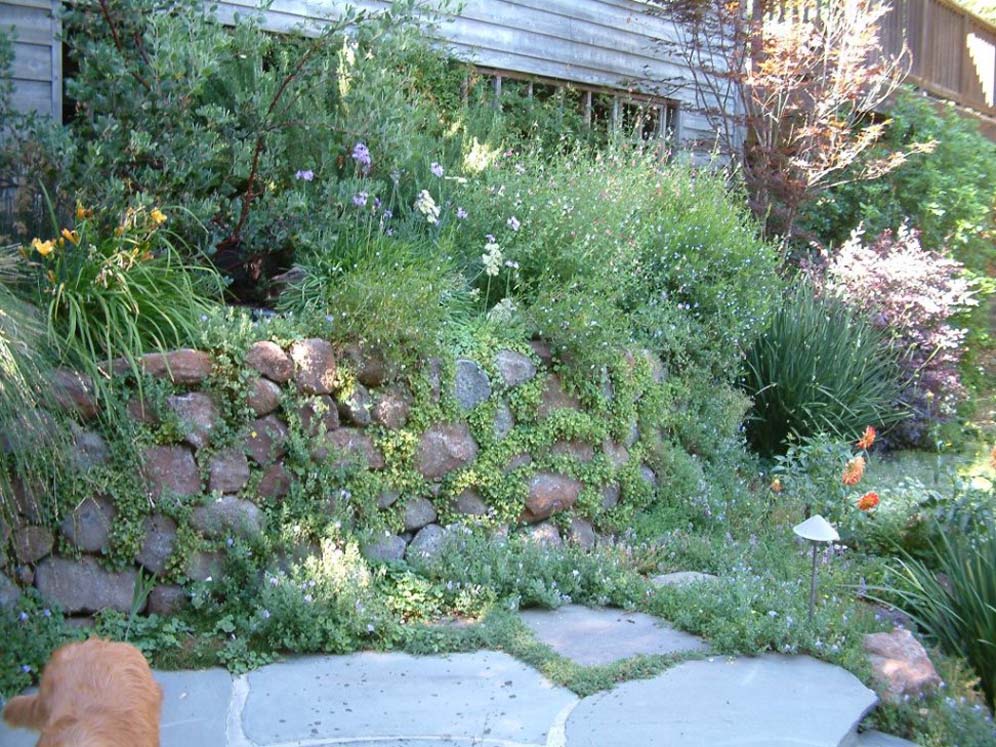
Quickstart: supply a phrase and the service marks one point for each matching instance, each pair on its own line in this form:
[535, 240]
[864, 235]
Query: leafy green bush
[953, 597]
[818, 368]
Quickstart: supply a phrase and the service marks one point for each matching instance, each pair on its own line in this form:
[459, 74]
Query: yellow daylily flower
[71, 236]
[44, 248]
[158, 217]
[82, 212]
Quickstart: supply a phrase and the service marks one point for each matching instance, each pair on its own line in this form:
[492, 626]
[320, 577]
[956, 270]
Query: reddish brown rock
[578, 450]
[355, 406]
[314, 366]
[392, 409]
[319, 415]
[270, 360]
[549, 493]
[141, 411]
[72, 391]
[198, 417]
[267, 439]
[170, 469]
[544, 535]
[264, 397]
[542, 351]
[555, 398]
[369, 366]
[183, 366]
[31, 544]
[900, 664]
[275, 483]
[581, 533]
[228, 471]
[444, 448]
[348, 447]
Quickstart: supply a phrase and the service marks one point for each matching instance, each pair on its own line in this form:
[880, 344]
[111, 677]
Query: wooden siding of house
[37, 67]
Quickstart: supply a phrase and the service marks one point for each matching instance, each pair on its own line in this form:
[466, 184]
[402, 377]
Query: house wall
[611, 43]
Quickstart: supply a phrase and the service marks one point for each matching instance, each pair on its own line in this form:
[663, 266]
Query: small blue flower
[360, 199]
[23, 617]
[461, 214]
[388, 214]
[47, 612]
[229, 541]
[436, 169]
[362, 156]
[25, 668]
[305, 175]
[513, 223]
[265, 614]
[377, 203]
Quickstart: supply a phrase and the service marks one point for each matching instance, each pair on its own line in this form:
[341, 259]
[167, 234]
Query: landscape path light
[817, 530]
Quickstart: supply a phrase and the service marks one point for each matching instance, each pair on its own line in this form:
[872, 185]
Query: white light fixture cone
[816, 529]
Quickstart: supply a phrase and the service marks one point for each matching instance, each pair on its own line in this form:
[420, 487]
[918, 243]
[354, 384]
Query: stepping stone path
[602, 636]
[489, 699]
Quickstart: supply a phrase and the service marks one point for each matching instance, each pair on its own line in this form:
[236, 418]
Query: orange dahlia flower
[867, 438]
[854, 471]
[868, 501]
[776, 485]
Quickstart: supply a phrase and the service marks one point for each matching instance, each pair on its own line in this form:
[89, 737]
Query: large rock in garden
[73, 392]
[275, 483]
[142, 411]
[264, 397]
[504, 420]
[544, 534]
[167, 599]
[549, 493]
[318, 415]
[617, 454]
[350, 447]
[228, 471]
[418, 513]
[369, 366]
[83, 586]
[314, 366]
[392, 409]
[185, 366]
[198, 417]
[267, 439]
[89, 525]
[682, 578]
[9, 593]
[228, 515]
[270, 360]
[471, 385]
[387, 498]
[89, 450]
[470, 503]
[356, 405]
[581, 533]
[28, 498]
[387, 549]
[648, 476]
[170, 469]
[514, 368]
[444, 448]
[578, 450]
[542, 350]
[427, 544]
[205, 566]
[555, 398]
[900, 664]
[31, 544]
[158, 543]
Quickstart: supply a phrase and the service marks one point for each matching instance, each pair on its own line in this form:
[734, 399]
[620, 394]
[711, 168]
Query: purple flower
[47, 612]
[305, 175]
[461, 214]
[490, 237]
[377, 203]
[360, 199]
[388, 214]
[436, 169]
[362, 156]
[25, 668]
[513, 223]
[23, 617]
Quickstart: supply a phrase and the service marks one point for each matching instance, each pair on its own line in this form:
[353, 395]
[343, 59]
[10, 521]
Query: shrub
[910, 295]
[819, 368]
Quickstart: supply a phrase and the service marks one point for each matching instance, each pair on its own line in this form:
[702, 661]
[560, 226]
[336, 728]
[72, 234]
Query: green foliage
[952, 597]
[818, 368]
[31, 631]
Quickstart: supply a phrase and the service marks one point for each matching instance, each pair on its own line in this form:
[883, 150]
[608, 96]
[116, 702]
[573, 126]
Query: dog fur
[92, 694]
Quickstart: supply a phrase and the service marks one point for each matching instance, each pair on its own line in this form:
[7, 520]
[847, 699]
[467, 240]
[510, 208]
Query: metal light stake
[816, 529]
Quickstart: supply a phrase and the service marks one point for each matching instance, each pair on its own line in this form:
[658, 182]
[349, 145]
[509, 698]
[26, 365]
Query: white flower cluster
[427, 206]
[492, 259]
[503, 311]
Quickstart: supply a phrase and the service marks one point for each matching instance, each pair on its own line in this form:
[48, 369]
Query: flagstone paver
[878, 739]
[601, 636]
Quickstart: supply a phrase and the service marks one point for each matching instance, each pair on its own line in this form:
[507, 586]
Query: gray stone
[434, 373]
[581, 533]
[198, 417]
[632, 435]
[517, 462]
[394, 699]
[167, 599]
[542, 351]
[682, 578]
[392, 409]
[31, 543]
[471, 385]
[319, 415]
[900, 664]
[549, 493]
[418, 513]
[349, 447]
[183, 366]
[617, 454]
[578, 450]
[514, 368]
[275, 482]
[264, 397]
[228, 471]
[205, 566]
[427, 543]
[469, 503]
[648, 476]
[314, 366]
[228, 515]
[772, 700]
[504, 420]
[355, 406]
[9, 592]
[142, 411]
[544, 534]
[25, 575]
[874, 738]
[368, 365]
[610, 496]
[195, 708]
[73, 392]
[270, 360]
[267, 440]
[591, 637]
[387, 498]
[170, 469]
[83, 586]
[444, 448]
[387, 549]
[89, 450]
[555, 398]
[89, 524]
[28, 498]
[158, 543]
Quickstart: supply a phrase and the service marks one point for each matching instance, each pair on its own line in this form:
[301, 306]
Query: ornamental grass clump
[819, 368]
